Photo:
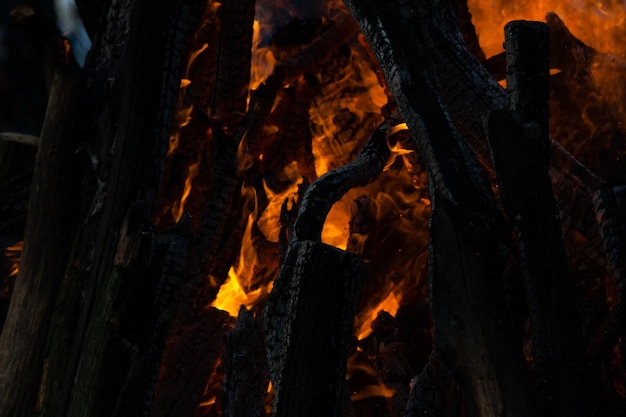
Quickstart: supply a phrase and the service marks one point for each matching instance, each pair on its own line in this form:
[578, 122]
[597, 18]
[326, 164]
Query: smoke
[72, 28]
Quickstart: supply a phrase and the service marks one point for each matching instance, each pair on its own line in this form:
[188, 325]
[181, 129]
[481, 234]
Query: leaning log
[469, 240]
[56, 179]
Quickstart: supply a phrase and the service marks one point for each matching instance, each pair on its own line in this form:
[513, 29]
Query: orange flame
[13, 253]
[597, 23]
[192, 172]
[363, 321]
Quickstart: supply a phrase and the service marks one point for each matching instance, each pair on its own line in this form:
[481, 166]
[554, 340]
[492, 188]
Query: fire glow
[342, 116]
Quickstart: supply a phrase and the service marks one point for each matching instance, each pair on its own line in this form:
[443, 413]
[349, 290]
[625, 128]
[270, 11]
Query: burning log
[33, 296]
[520, 147]
[310, 310]
[245, 368]
[428, 390]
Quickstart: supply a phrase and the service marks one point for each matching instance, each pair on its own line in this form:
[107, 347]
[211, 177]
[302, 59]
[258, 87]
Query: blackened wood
[611, 206]
[569, 53]
[16, 172]
[50, 219]
[465, 297]
[520, 146]
[233, 66]
[391, 362]
[262, 99]
[467, 28]
[308, 325]
[468, 234]
[528, 76]
[245, 369]
[193, 356]
[471, 94]
[428, 390]
[292, 140]
[96, 348]
[330, 187]
[227, 104]
[90, 12]
[168, 258]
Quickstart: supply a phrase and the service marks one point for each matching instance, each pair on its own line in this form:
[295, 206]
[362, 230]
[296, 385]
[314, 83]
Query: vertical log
[310, 311]
[521, 150]
[469, 239]
[308, 323]
[245, 369]
[53, 197]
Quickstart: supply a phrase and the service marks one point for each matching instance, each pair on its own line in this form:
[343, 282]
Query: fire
[192, 172]
[363, 321]
[263, 60]
[13, 254]
[597, 23]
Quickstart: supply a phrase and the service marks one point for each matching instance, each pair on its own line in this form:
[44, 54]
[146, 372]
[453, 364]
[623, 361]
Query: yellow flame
[192, 173]
[263, 60]
[373, 391]
[13, 253]
[597, 23]
[364, 321]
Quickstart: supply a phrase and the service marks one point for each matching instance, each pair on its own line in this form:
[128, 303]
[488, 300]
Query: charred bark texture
[520, 146]
[56, 177]
[245, 369]
[468, 234]
[308, 321]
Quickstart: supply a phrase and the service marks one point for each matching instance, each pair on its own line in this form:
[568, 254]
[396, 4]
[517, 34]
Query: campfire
[359, 209]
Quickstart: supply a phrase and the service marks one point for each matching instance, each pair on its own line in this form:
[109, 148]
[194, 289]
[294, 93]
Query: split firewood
[330, 187]
[20, 138]
[288, 136]
[391, 361]
[362, 221]
[471, 94]
[520, 144]
[569, 53]
[230, 92]
[310, 311]
[192, 356]
[429, 389]
[464, 215]
[611, 207]
[245, 369]
[262, 100]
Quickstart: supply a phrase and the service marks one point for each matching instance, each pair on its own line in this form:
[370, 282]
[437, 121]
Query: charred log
[520, 147]
[245, 369]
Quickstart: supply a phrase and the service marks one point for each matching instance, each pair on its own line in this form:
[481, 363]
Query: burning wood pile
[347, 215]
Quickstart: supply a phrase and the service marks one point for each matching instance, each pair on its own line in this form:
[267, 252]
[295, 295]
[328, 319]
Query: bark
[245, 368]
[611, 206]
[467, 232]
[56, 178]
[310, 311]
[429, 388]
[87, 355]
[308, 324]
[520, 146]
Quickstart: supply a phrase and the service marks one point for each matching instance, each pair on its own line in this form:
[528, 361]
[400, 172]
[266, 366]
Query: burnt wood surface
[521, 153]
[308, 324]
[56, 178]
[245, 369]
